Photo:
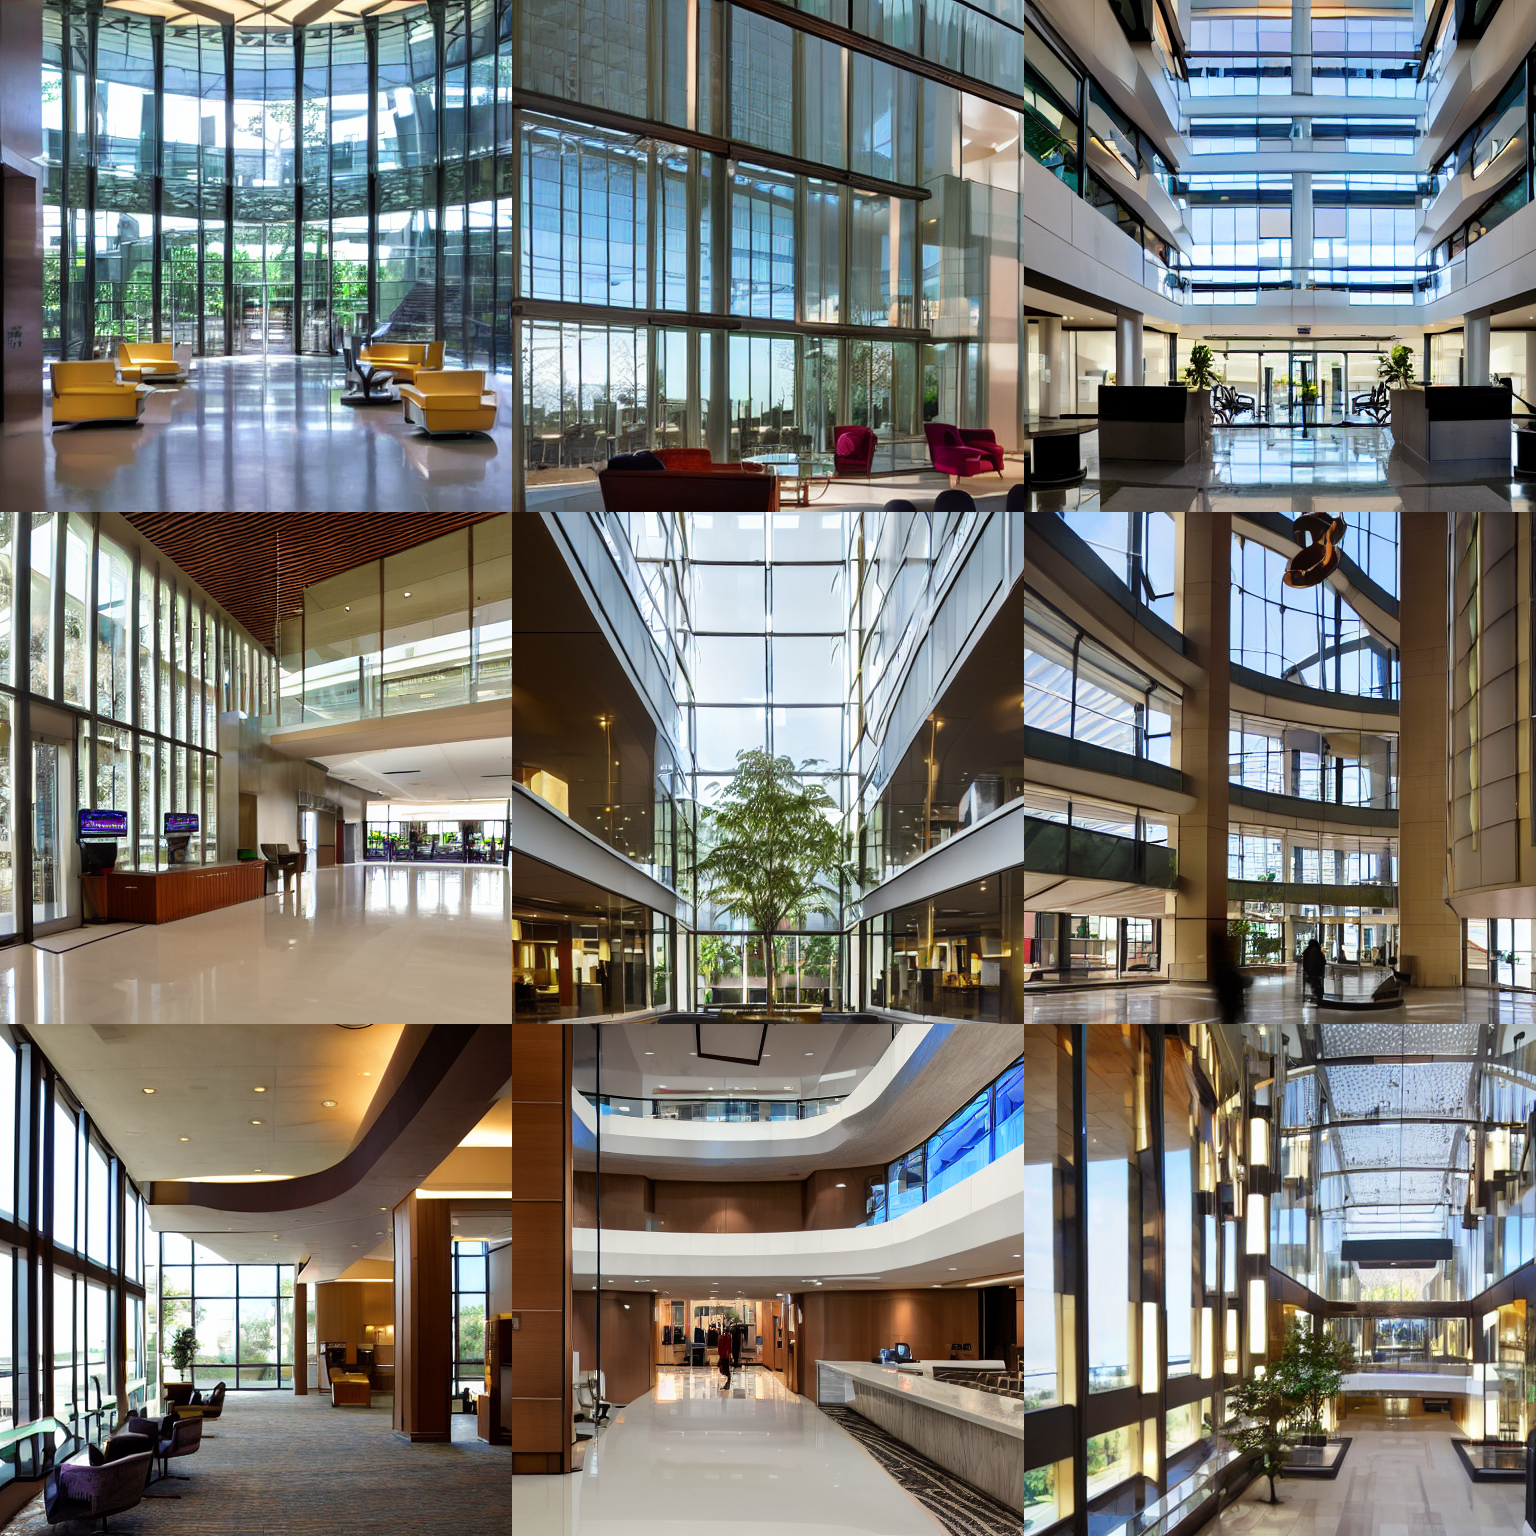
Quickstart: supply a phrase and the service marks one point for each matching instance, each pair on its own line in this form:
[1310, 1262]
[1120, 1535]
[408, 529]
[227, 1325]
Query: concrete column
[536, 1391]
[1529, 392]
[1128, 364]
[1204, 616]
[1301, 228]
[300, 1338]
[1054, 394]
[1428, 930]
[1479, 340]
[423, 1319]
[1301, 47]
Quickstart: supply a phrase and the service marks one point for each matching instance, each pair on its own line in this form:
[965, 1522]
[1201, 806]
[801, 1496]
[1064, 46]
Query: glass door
[54, 859]
[309, 833]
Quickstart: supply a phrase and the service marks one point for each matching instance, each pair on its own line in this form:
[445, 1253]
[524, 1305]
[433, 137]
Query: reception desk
[975, 1435]
[165, 894]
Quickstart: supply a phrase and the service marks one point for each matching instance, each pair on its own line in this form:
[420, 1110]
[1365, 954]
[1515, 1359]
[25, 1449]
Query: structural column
[1205, 619]
[423, 1318]
[301, 1338]
[1479, 340]
[1053, 368]
[537, 1395]
[1128, 366]
[1428, 929]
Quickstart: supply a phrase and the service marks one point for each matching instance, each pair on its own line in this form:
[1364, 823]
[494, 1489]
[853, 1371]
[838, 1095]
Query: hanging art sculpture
[1319, 534]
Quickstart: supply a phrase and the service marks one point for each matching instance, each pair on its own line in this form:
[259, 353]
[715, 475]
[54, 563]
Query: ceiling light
[185, 1138]
[255, 1170]
[383, 1207]
[258, 1089]
[146, 1090]
[328, 1103]
[842, 1186]
[258, 1122]
[405, 594]
[951, 1269]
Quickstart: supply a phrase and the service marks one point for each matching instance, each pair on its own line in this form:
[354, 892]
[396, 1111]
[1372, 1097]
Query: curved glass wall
[1339, 767]
[259, 189]
[1304, 635]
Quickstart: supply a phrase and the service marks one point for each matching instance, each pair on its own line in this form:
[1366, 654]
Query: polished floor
[1282, 469]
[692, 1457]
[253, 434]
[281, 1465]
[1401, 1478]
[361, 944]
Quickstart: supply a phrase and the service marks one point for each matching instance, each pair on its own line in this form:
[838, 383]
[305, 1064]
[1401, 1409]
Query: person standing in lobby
[723, 1350]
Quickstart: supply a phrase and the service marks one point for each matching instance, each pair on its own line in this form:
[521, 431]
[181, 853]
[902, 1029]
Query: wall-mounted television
[179, 822]
[102, 824]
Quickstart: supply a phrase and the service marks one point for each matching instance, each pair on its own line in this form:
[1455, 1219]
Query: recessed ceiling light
[650, 1053]
[328, 1103]
[383, 1207]
[146, 1090]
[185, 1138]
[951, 1269]
[255, 1170]
[842, 1186]
[403, 594]
[810, 1053]
[258, 1089]
[258, 1122]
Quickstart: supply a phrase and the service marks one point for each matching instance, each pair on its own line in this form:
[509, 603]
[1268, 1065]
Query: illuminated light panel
[288, 13]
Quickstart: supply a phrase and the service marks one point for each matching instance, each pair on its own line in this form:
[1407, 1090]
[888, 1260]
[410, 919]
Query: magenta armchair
[985, 439]
[853, 450]
[951, 454]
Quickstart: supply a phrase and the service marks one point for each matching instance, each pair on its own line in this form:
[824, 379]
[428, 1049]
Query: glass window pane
[114, 629]
[808, 670]
[731, 671]
[77, 591]
[64, 1135]
[216, 1331]
[41, 549]
[729, 597]
[814, 735]
[98, 1204]
[807, 599]
[426, 623]
[961, 1147]
[725, 732]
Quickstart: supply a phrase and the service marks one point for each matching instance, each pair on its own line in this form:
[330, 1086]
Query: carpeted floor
[282, 1464]
[961, 1509]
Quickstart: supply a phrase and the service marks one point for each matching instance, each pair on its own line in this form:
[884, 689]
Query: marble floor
[1402, 1479]
[692, 1457]
[361, 943]
[254, 434]
[1278, 469]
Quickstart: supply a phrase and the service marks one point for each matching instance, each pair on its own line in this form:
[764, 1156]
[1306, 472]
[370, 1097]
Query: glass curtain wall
[469, 1296]
[242, 1315]
[72, 1297]
[267, 188]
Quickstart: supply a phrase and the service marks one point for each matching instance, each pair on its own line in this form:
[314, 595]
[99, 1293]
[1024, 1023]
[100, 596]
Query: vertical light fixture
[1256, 1228]
[1149, 1371]
[1258, 1317]
[1207, 1342]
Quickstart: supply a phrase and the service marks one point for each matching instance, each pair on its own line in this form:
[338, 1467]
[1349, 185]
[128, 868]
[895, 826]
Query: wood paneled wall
[856, 1325]
[542, 1207]
[344, 1309]
[713, 1205]
[423, 1308]
[628, 1335]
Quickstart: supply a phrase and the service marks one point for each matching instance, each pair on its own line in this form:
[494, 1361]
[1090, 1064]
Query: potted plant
[1262, 1405]
[182, 1352]
[1200, 378]
[1308, 404]
[1397, 368]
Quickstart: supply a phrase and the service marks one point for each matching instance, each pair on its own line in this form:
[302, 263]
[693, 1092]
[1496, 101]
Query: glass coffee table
[802, 476]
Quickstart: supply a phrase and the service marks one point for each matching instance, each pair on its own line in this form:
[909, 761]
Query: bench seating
[405, 360]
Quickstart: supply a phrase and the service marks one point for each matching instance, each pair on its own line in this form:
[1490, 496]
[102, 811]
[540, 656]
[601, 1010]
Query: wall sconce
[1257, 1229]
[1258, 1317]
[1149, 1370]
[1258, 1143]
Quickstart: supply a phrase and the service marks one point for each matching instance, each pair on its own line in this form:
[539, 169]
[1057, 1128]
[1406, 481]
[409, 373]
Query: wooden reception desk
[165, 894]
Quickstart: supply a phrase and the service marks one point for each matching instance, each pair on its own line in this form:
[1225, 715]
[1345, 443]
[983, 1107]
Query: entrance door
[55, 902]
[309, 834]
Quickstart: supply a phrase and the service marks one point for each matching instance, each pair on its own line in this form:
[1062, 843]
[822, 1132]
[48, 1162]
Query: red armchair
[853, 450]
[953, 456]
[985, 439]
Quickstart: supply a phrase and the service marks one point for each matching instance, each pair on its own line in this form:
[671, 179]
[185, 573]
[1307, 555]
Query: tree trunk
[1274, 1498]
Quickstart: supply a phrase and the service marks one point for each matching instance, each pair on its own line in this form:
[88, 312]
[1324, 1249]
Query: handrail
[45, 1426]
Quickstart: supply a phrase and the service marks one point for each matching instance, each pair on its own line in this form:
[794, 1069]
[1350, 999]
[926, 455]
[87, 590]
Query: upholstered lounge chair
[984, 440]
[204, 1408]
[172, 1437]
[952, 455]
[404, 359]
[77, 1491]
[448, 402]
[90, 392]
[853, 450]
[689, 487]
[145, 362]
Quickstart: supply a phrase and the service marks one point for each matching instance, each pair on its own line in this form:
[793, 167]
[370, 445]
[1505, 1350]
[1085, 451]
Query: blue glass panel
[1009, 1114]
[961, 1147]
[904, 1185]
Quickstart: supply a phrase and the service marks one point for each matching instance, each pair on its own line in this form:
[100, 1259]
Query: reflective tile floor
[357, 944]
[252, 434]
[1400, 1478]
[1277, 469]
[692, 1457]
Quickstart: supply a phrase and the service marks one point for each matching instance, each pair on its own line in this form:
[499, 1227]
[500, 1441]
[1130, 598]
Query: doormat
[961, 1509]
[75, 938]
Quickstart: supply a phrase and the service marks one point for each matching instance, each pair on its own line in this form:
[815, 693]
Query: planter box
[1447, 423]
[1164, 422]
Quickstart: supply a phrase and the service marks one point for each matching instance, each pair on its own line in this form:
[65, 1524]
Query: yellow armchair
[454, 401]
[140, 360]
[90, 391]
[404, 359]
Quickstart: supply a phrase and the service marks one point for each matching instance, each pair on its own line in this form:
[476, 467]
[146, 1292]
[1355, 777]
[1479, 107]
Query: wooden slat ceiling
[257, 564]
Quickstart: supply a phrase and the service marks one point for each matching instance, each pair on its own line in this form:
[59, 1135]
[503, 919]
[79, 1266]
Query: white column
[1478, 341]
[1301, 227]
[1128, 364]
[1529, 392]
[1301, 47]
[1054, 395]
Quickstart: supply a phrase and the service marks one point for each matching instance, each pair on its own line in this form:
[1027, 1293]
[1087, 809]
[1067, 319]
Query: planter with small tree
[1142, 421]
[1260, 1411]
[181, 1353]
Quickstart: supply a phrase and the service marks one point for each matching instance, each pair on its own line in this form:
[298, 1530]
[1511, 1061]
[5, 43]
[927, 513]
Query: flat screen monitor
[902, 1352]
[180, 821]
[103, 824]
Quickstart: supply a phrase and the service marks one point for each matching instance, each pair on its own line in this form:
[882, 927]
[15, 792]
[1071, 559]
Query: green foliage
[771, 846]
[183, 1350]
[1309, 393]
[1200, 370]
[1397, 367]
[1263, 1405]
[1313, 1368]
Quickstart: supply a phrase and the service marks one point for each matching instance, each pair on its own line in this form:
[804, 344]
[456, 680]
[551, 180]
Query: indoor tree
[770, 846]
[1263, 1406]
[1396, 369]
[1313, 1368]
[183, 1350]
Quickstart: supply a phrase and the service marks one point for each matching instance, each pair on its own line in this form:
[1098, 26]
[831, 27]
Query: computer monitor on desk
[97, 833]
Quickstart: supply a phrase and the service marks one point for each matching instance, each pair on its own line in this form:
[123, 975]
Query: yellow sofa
[153, 359]
[90, 392]
[404, 359]
[449, 402]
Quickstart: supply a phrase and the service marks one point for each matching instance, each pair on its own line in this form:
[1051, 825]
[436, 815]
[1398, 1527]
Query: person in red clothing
[724, 1356]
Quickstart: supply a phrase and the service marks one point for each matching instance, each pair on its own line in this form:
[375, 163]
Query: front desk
[975, 1435]
[165, 894]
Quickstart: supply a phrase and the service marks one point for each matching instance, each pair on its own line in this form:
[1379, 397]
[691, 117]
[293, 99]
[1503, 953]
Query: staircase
[414, 317]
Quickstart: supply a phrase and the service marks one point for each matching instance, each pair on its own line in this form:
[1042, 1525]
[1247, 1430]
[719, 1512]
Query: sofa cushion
[622, 461]
[646, 460]
[848, 445]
